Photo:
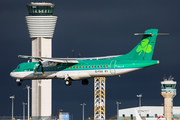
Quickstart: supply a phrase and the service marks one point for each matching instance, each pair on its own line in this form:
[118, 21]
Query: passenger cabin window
[82, 66]
[97, 66]
[103, 66]
[92, 66]
[85, 66]
[88, 66]
[100, 66]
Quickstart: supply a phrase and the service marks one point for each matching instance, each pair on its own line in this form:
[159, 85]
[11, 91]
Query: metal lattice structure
[99, 98]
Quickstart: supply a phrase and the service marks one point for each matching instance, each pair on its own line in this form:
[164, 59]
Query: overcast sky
[94, 28]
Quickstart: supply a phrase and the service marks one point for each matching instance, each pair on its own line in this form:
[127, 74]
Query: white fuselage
[73, 74]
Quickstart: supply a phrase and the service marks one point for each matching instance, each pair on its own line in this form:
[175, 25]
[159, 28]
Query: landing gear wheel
[85, 82]
[68, 82]
[19, 84]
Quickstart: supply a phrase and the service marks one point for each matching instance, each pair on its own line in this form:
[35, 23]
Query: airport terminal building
[147, 112]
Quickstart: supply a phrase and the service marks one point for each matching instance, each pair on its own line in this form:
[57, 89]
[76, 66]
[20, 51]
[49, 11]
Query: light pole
[163, 110]
[28, 87]
[139, 96]
[118, 109]
[83, 109]
[72, 117]
[12, 97]
[24, 110]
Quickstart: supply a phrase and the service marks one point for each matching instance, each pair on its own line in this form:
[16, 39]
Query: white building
[146, 111]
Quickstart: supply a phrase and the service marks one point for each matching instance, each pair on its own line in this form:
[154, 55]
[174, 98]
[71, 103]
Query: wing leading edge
[65, 60]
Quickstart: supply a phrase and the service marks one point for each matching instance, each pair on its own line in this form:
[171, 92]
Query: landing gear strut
[68, 82]
[85, 82]
[19, 82]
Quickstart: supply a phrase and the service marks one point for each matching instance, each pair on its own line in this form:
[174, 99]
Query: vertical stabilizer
[144, 50]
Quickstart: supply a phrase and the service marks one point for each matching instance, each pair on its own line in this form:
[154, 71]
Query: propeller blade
[37, 68]
[42, 69]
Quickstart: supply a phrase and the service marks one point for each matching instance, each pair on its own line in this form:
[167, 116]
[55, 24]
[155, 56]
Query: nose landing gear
[68, 80]
[19, 83]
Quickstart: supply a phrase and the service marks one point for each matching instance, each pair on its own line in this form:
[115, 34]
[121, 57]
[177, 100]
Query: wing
[56, 60]
[65, 60]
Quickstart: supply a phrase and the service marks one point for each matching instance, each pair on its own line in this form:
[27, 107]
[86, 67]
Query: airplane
[73, 69]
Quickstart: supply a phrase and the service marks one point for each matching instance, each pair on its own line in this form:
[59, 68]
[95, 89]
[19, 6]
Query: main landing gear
[85, 82]
[69, 82]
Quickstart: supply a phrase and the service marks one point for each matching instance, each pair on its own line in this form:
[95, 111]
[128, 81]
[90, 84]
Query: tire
[19, 84]
[85, 82]
[68, 82]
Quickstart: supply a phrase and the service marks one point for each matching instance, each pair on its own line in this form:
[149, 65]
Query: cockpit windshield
[18, 67]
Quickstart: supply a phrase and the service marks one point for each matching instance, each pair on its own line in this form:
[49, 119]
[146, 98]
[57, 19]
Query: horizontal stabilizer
[163, 34]
[150, 34]
[147, 34]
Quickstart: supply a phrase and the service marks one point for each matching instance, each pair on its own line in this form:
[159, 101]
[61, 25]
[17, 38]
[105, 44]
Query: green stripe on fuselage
[89, 65]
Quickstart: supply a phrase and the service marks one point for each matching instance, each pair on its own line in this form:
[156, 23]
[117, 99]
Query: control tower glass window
[40, 10]
[168, 86]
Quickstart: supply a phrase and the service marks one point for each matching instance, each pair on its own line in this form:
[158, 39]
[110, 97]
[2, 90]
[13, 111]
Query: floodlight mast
[12, 97]
[83, 110]
[28, 87]
[24, 110]
[118, 109]
[139, 96]
[99, 98]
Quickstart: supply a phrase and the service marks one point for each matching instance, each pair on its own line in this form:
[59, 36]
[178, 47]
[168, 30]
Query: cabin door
[112, 67]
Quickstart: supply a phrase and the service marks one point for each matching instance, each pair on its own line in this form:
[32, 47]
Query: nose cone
[14, 75]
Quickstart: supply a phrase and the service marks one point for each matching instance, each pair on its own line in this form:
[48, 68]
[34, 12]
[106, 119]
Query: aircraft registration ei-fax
[73, 69]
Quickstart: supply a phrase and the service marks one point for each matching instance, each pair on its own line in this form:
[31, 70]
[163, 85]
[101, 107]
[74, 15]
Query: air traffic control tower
[41, 24]
[168, 91]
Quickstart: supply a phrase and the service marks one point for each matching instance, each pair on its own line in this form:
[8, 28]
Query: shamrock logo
[144, 47]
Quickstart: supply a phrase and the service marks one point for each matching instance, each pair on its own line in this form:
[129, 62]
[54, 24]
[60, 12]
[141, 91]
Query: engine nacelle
[49, 64]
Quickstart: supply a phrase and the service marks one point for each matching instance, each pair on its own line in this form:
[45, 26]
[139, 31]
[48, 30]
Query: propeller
[42, 69]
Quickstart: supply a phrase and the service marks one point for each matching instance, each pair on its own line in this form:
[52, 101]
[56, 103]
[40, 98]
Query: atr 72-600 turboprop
[72, 69]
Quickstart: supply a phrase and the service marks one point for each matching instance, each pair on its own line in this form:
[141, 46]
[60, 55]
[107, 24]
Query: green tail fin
[144, 50]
